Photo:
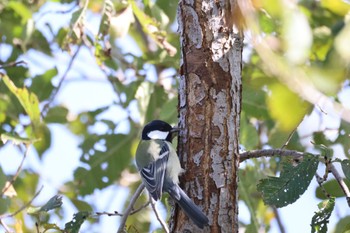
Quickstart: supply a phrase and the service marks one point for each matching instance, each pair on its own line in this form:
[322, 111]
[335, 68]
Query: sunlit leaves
[286, 107]
[293, 182]
[119, 25]
[341, 44]
[77, 26]
[339, 7]
[29, 101]
[151, 28]
[107, 12]
[15, 139]
[297, 37]
[320, 219]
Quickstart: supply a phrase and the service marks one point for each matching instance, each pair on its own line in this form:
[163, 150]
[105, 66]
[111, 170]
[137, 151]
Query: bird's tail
[192, 210]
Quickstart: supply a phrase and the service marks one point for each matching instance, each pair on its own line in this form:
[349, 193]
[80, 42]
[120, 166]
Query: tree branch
[269, 153]
[130, 207]
[12, 64]
[7, 229]
[279, 220]
[64, 76]
[9, 184]
[23, 207]
[341, 182]
[160, 220]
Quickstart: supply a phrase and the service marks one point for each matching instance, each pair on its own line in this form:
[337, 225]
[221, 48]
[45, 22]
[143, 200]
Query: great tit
[159, 166]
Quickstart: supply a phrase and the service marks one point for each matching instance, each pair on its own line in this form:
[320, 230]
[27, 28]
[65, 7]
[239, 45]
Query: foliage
[320, 220]
[132, 47]
[293, 182]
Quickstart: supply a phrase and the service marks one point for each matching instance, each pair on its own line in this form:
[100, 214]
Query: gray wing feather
[153, 174]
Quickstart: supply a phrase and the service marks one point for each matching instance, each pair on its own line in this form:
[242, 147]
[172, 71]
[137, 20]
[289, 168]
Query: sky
[79, 95]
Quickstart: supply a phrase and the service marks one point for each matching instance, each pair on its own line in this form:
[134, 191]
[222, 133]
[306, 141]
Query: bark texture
[209, 112]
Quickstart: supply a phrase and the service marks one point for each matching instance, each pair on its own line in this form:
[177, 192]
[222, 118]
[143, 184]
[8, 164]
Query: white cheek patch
[156, 134]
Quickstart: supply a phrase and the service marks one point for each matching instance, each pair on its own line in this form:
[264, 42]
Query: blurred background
[83, 77]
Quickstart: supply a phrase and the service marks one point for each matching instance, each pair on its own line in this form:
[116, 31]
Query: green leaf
[4, 204]
[155, 104]
[105, 165]
[29, 101]
[343, 225]
[247, 189]
[15, 139]
[345, 165]
[320, 219]
[78, 219]
[293, 182]
[43, 134]
[3, 180]
[343, 137]
[107, 13]
[57, 114]
[20, 9]
[253, 102]
[332, 188]
[143, 96]
[249, 137]
[168, 112]
[77, 23]
[40, 212]
[41, 84]
[53, 203]
[51, 226]
[81, 205]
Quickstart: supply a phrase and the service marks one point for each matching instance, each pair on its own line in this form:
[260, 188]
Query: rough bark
[209, 112]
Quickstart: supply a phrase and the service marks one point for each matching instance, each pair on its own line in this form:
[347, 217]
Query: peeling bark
[209, 112]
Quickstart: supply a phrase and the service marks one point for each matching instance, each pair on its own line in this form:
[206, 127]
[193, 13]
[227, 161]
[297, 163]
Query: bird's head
[158, 129]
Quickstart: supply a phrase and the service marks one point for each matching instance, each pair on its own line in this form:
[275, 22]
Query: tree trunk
[209, 112]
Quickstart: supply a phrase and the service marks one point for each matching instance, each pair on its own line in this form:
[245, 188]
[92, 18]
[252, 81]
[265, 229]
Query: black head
[158, 129]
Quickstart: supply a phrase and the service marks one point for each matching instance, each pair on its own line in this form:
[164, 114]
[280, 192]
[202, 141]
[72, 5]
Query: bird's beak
[174, 132]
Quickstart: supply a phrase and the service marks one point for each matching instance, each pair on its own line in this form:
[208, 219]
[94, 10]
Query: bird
[159, 167]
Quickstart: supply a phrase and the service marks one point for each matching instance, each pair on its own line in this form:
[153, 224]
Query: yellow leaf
[286, 107]
[338, 7]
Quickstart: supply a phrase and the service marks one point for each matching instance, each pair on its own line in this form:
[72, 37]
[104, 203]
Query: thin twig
[279, 220]
[23, 207]
[57, 12]
[341, 182]
[116, 213]
[130, 207]
[140, 208]
[17, 172]
[64, 76]
[7, 229]
[160, 220]
[320, 182]
[269, 153]
[12, 64]
[288, 139]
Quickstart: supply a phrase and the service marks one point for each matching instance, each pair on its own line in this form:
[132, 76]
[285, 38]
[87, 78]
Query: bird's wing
[153, 174]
